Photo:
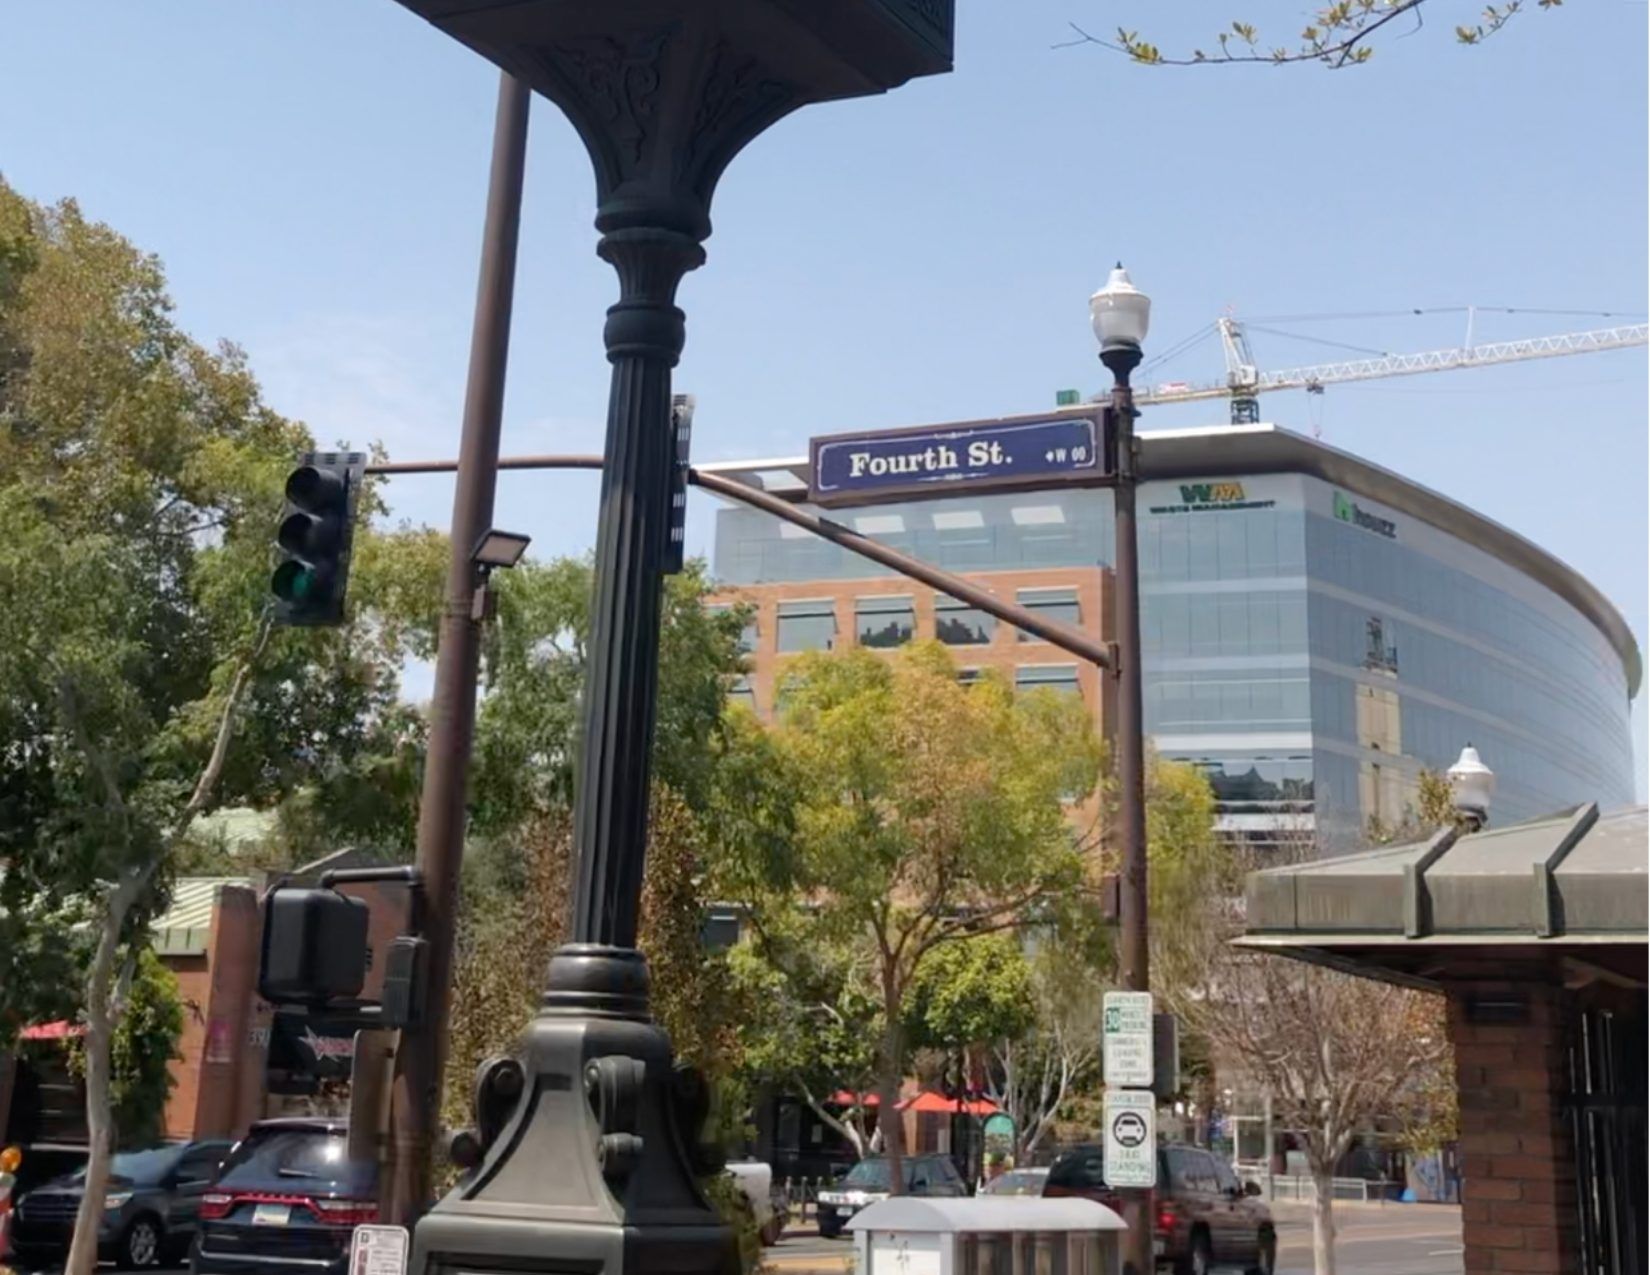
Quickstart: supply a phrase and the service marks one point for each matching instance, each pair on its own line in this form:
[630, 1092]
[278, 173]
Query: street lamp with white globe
[1121, 313]
[1471, 785]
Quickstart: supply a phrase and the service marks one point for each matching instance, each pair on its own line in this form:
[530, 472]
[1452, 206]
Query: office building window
[807, 626]
[884, 621]
[957, 624]
[1059, 677]
[1051, 604]
[747, 635]
[968, 676]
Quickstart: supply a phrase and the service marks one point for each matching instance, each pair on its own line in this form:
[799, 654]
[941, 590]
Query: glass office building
[1316, 630]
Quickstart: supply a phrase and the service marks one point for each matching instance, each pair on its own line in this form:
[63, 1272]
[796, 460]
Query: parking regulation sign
[378, 1250]
[1126, 1043]
[1130, 1117]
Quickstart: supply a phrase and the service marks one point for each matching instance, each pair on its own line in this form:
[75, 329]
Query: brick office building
[1537, 933]
[234, 1054]
[883, 613]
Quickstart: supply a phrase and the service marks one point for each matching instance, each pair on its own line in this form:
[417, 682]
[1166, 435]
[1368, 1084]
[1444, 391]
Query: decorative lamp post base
[593, 1170]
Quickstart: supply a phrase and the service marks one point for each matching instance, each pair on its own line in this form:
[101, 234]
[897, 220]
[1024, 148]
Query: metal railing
[1300, 1186]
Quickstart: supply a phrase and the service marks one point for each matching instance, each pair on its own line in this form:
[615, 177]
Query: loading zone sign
[1130, 1117]
[1126, 1040]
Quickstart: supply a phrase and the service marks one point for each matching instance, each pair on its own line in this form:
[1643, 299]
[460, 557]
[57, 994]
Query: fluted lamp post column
[590, 1161]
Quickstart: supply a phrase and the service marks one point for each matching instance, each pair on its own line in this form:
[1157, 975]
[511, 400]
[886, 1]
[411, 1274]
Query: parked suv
[288, 1200]
[150, 1207]
[1201, 1214]
[869, 1180]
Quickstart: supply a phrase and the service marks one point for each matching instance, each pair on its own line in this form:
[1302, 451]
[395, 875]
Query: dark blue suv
[288, 1199]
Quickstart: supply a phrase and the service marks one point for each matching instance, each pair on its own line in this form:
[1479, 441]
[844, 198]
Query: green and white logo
[1347, 510]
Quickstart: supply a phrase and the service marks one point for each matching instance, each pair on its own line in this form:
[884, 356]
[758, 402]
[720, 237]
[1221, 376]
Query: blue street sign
[942, 460]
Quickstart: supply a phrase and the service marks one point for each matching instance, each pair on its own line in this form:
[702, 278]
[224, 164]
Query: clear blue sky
[313, 171]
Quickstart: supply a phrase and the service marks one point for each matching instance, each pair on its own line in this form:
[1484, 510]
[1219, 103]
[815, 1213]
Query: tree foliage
[1335, 35]
[921, 814]
[527, 727]
[1035, 1072]
[141, 1052]
[139, 487]
[971, 993]
[812, 1025]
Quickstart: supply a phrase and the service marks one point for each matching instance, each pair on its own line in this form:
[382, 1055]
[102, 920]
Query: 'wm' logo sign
[1211, 493]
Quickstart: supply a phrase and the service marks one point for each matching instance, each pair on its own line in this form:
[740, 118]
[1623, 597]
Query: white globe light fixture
[1120, 313]
[1471, 783]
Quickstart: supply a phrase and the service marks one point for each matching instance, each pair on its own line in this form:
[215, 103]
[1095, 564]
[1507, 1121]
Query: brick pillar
[1518, 1190]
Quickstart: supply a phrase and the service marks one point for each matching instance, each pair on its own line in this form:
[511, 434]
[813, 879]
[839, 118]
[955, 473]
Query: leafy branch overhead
[1337, 35]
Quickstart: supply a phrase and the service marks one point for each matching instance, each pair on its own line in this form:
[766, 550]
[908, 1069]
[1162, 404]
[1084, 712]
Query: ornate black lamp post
[593, 1166]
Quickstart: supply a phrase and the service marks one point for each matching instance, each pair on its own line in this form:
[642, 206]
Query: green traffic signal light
[314, 538]
[294, 582]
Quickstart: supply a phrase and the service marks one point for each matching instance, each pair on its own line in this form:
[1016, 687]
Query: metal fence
[1300, 1186]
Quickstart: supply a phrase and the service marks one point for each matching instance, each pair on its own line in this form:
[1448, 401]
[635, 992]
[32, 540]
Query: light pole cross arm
[1069, 639]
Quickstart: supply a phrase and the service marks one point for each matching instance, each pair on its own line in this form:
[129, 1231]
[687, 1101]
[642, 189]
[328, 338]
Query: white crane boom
[1244, 380]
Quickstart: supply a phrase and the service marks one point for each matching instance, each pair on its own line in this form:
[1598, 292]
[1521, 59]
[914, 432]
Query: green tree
[142, 1051]
[139, 482]
[527, 727]
[1036, 1072]
[925, 813]
[812, 1022]
[513, 915]
[966, 994]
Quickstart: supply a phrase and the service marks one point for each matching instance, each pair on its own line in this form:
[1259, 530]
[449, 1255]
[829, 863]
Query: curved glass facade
[1311, 649]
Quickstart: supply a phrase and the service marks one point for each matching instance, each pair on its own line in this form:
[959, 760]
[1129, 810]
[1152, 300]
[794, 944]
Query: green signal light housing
[314, 538]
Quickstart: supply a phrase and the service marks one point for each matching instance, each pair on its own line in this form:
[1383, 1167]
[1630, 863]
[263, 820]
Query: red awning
[842, 1098]
[939, 1104]
[52, 1031]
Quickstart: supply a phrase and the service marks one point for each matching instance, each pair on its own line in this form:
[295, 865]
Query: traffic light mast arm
[1069, 639]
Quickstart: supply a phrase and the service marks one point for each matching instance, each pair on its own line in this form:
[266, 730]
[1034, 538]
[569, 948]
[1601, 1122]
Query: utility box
[987, 1235]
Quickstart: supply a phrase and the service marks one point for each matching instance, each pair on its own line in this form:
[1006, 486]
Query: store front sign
[1015, 453]
[1348, 510]
[305, 1050]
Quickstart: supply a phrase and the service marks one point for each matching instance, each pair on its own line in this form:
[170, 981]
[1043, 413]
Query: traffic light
[681, 430]
[317, 526]
[314, 946]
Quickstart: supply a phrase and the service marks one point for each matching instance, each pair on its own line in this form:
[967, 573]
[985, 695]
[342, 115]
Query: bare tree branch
[1337, 36]
[213, 770]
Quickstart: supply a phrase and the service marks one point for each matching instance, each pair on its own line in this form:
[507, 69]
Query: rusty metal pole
[404, 1191]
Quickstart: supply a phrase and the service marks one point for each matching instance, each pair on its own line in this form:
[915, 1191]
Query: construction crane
[1244, 381]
